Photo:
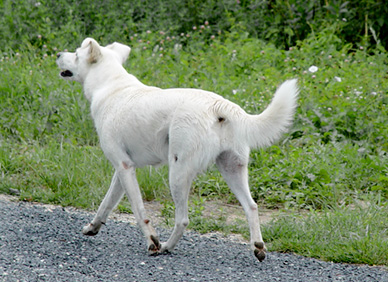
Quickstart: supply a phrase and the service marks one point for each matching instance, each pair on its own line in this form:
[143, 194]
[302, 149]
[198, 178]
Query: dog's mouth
[66, 73]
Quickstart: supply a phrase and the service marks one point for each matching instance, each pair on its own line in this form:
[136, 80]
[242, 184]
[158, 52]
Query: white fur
[188, 129]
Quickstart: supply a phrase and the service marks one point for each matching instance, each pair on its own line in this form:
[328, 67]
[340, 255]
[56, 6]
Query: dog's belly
[146, 148]
[145, 156]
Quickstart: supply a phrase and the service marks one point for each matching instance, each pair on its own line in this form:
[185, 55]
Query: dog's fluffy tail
[264, 129]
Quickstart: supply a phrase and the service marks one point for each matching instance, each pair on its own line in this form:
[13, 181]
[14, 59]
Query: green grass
[355, 234]
[56, 173]
[333, 158]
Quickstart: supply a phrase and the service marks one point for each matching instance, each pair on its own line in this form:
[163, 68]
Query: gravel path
[45, 244]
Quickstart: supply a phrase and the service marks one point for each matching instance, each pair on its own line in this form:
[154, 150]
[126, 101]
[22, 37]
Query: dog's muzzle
[65, 73]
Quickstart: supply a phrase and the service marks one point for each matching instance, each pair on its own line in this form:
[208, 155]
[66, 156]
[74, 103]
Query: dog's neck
[97, 81]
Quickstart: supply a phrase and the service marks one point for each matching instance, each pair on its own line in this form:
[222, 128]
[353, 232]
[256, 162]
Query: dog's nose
[59, 54]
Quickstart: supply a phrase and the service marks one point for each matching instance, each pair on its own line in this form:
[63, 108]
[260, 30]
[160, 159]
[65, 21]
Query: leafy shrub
[283, 22]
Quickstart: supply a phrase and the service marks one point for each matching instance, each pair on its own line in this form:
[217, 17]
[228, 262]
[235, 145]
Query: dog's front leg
[127, 176]
[111, 199]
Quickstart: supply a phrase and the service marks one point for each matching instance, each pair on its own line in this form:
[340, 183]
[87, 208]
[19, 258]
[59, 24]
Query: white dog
[188, 129]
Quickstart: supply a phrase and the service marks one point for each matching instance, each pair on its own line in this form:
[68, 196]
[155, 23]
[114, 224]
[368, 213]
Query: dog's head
[76, 66]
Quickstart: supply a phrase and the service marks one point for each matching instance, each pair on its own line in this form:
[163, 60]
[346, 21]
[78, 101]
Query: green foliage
[283, 22]
[351, 235]
[35, 105]
[335, 153]
[58, 173]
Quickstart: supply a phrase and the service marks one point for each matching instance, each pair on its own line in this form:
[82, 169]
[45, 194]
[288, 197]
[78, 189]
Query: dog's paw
[154, 246]
[259, 251]
[91, 229]
[164, 249]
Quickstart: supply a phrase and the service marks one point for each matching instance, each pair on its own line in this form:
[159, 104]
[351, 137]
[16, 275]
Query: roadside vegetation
[333, 163]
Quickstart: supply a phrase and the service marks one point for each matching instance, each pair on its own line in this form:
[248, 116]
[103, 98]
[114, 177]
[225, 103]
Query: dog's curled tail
[264, 129]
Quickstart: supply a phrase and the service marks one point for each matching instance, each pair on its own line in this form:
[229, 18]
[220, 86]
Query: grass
[333, 158]
[354, 234]
[56, 173]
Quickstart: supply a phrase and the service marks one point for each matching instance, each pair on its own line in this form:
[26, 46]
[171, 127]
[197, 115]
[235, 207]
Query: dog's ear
[121, 50]
[94, 52]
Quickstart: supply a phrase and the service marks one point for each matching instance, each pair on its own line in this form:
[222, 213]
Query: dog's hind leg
[111, 199]
[234, 169]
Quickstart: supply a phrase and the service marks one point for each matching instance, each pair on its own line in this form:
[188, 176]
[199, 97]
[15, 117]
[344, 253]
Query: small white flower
[234, 91]
[177, 47]
[374, 93]
[338, 79]
[313, 69]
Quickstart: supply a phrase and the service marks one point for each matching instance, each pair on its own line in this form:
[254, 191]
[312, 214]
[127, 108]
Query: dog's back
[158, 124]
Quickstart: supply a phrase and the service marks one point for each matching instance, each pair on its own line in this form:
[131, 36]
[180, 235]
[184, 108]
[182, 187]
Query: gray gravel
[40, 244]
